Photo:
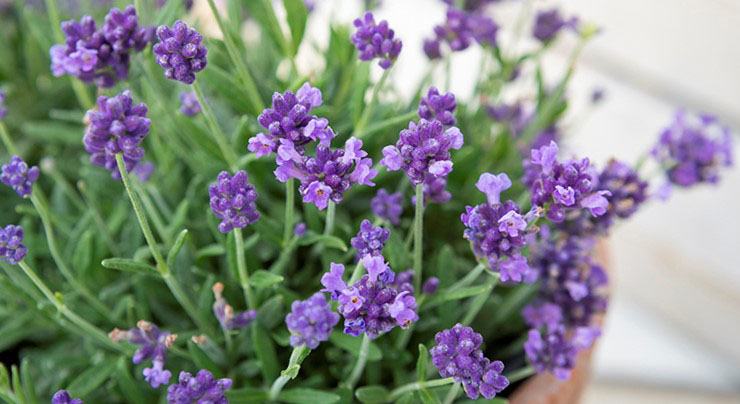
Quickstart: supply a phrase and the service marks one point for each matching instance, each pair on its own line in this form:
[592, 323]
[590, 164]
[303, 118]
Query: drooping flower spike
[63, 397]
[19, 176]
[12, 249]
[153, 343]
[376, 41]
[233, 201]
[116, 126]
[180, 52]
[202, 389]
[310, 321]
[229, 319]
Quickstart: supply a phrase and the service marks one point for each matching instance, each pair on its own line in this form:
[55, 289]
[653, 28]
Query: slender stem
[360, 364]
[418, 236]
[356, 273]
[241, 265]
[217, 133]
[520, 374]
[153, 214]
[398, 392]
[36, 200]
[331, 212]
[452, 394]
[6, 139]
[641, 161]
[477, 304]
[241, 68]
[388, 123]
[102, 227]
[365, 117]
[468, 279]
[139, 11]
[83, 324]
[289, 210]
[296, 358]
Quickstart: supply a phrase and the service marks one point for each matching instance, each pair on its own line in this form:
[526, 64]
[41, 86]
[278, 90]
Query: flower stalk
[217, 133]
[294, 365]
[241, 265]
[368, 111]
[400, 391]
[360, 364]
[289, 210]
[331, 212]
[418, 235]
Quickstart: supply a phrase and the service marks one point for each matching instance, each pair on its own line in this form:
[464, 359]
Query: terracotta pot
[545, 388]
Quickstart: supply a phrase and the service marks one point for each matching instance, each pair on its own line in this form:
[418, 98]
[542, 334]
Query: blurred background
[672, 334]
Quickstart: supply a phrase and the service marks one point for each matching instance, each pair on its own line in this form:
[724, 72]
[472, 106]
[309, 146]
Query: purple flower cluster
[12, 249]
[387, 206]
[3, 108]
[423, 149]
[202, 389]
[370, 239]
[310, 321]
[457, 355]
[376, 41]
[100, 55]
[189, 104]
[560, 187]
[290, 119]
[116, 126]
[153, 343]
[374, 304]
[62, 397]
[557, 351]
[693, 149]
[548, 23]
[497, 231]
[233, 201]
[434, 189]
[180, 52]
[19, 176]
[459, 31]
[225, 314]
[326, 176]
[438, 106]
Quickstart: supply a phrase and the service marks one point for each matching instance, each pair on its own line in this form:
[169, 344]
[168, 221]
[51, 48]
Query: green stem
[418, 236]
[477, 304]
[93, 209]
[356, 273]
[91, 330]
[153, 214]
[6, 140]
[289, 210]
[37, 199]
[452, 394]
[468, 279]
[388, 123]
[331, 212]
[296, 358]
[241, 68]
[520, 374]
[241, 265]
[216, 131]
[365, 117]
[360, 364]
[398, 392]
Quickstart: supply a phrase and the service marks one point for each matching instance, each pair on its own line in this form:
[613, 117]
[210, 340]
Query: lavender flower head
[423, 148]
[180, 52]
[329, 174]
[430, 285]
[300, 229]
[459, 31]
[555, 352]
[374, 304]
[225, 314]
[497, 231]
[100, 55]
[370, 239]
[439, 107]
[290, 119]
[62, 397]
[457, 355]
[116, 126]
[189, 104]
[19, 176]
[12, 249]
[693, 149]
[3, 108]
[233, 201]
[153, 343]
[203, 389]
[310, 321]
[387, 206]
[376, 41]
[548, 23]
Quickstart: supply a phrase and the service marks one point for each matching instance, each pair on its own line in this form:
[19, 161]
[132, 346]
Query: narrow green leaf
[352, 345]
[92, 378]
[179, 217]
[427, 397]
[212, 250]
[17, 387]
[297, 16]
[407, 398]
[271, 312]
[130, 388]
[307, 396]
[27, 382]
[167, 13]
[372, 394]
[263, 12]
[323, 239]
[422, 364]
[82, 256]
[4, 377]
[203, 361]
[53, 132]
[261, 279]
[128, 265]
[265, 350]
[176, 247]
[462, 293]
[247, 395]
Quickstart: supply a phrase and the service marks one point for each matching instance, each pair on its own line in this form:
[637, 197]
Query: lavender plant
[204, 262]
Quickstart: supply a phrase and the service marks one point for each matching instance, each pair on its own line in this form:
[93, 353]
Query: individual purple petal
[492, 185]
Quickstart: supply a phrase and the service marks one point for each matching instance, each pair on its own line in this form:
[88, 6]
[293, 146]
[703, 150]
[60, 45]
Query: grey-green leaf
[297, 15]
[128, 265]
[325, 240]
[261, 279]
[352, 345]
[422, 364]
[176, 247]
[92, 378]
[307, 396]
[372, 394]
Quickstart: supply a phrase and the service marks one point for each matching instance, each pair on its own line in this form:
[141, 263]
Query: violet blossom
[387, 206]
[310, 321]
[376, 41]
[180, 52]
[18, 175]
[233, 201]
[202, 389]
[12, 249]
[229, 319]
[153, 343]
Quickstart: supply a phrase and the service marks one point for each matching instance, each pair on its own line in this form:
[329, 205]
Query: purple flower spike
[548, 23]
[459, 31]
[493, 185]
[12, 249]
[300, 229]
[370, 239]
[180, 52]
[439, 107]
[430, 285]
[190, 105]
[3, 108]
[153, 343]
[376, 41]
[62, 397]
[423, 149]
[225, 314]
[457, 355]
[116, 126]
[387, 206]
[203, 388]
[541, 314]
[545, 157]
[434, 190]
[310, 321]
[233, 201]
[19, 176]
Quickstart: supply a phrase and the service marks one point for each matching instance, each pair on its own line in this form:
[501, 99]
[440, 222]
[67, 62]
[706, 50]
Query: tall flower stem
[38, 201]
[5, 136]
[289, 210]
[477, 304]
[452, 394]
[520, 374]
[241, 68]
[400, 391]
[162, 267]
[418, 235]
[468, 279]
[218, 134]
[89, 329]
[296, 358]
[360, 364]
[241, 265]
[368, 111]
[331, 212]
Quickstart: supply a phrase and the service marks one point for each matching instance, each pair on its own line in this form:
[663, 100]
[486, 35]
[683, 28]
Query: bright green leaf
[261, 279]
[352, 345]
[372, 394]
[307, 396]
[128, 265]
